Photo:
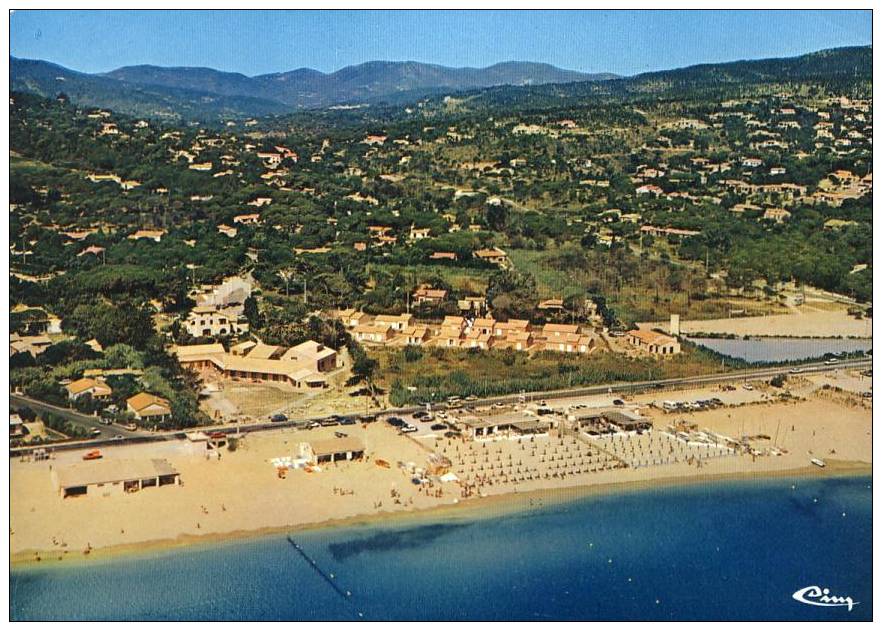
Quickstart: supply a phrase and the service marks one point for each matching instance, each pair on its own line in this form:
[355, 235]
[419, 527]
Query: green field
[426, 375]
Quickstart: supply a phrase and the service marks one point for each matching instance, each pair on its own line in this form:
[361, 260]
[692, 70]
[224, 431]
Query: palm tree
[286, 274]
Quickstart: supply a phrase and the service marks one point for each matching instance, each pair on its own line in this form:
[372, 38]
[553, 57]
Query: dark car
[395, 421]
[451, 434]
[278, 418]
[618, 401]
[347, 420]
[330, 421]
[419, 414]
[437, 427]
[367, 418]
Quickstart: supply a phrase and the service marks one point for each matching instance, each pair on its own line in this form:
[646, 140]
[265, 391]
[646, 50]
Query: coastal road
[84, 420]
[114, 435]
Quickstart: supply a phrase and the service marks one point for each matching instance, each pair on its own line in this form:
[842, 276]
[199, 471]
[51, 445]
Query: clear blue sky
[256, 42]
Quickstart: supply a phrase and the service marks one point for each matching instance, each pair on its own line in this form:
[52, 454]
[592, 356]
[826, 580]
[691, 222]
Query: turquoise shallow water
[718, 551]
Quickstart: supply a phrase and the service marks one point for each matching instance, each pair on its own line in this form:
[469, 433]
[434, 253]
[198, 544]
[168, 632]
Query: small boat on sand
[92, 456]
[818, 462]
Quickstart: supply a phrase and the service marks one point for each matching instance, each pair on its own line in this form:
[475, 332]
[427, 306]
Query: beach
[242, 495]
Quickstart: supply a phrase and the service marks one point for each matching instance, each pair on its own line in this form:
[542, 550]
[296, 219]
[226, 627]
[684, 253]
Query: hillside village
[163, 256]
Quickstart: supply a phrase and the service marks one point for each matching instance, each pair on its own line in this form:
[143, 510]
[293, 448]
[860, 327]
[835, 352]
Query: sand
[241, 495]
[815, 324]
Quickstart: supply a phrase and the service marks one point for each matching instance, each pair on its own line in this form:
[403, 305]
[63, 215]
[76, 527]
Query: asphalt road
[110, 434]
[91, 422]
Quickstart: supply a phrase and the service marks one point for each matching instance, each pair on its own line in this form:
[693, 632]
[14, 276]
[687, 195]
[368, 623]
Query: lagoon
[778, 350]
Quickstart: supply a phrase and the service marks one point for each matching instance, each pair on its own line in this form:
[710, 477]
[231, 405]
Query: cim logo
[814, 595]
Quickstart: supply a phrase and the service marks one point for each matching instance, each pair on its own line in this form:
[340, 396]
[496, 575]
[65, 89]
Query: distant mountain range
[197, 91]
[836, 69]
[202, 93]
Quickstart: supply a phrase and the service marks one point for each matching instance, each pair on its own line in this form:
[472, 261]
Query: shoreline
[477, 507]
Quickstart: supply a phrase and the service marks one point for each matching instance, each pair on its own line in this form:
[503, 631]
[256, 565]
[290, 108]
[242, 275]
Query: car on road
[95, 433]
[471, 398]
[278, 418]
[618, 401]
[118, 437]
[105, 420]
[407, 429]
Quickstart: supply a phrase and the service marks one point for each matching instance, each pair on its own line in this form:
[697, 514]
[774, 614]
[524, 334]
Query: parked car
[407, 429]
[428, 418]
[618, 401]
[330, 421]
[395, 421]
[437, 427]
[278, 418]
[105, 420]
[95, 433]
[347, 420]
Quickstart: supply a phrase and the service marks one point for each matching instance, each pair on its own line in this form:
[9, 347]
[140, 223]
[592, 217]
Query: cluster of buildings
[219, 311]
[143, 406]
[306, 365]
[465, 333]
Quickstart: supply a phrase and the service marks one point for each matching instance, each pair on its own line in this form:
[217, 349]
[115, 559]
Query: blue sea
[713, 551]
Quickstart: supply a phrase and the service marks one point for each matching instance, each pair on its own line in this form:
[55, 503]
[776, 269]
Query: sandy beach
[242, 495]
